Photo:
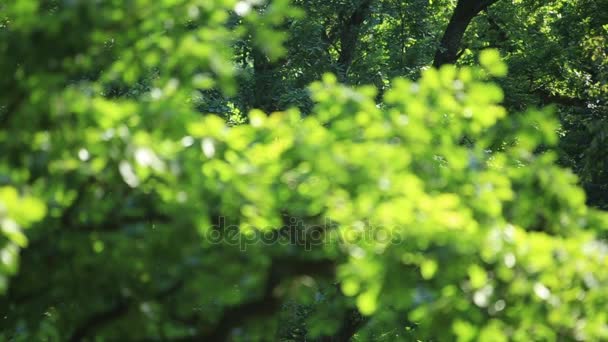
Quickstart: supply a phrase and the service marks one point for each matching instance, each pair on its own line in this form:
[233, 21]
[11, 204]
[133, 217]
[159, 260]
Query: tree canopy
[304, 170]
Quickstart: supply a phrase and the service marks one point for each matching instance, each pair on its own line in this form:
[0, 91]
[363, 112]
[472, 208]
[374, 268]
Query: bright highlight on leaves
[491, 61]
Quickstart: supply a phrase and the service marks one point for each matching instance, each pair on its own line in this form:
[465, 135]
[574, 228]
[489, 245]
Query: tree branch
[351, 323]
[465, 11]
[267, 304]
[349, 36]
[119, 309]
[548, 98]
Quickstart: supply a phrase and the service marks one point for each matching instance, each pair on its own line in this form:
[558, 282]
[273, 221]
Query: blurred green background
[305, 170]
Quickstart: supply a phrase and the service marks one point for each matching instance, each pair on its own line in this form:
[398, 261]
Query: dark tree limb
[119, 309]
[349, 36]
[548, 98]
[465, 11]
[264, 73]
[503, 36]
[10, 110]
[96, 321]
[269, 303]
[351, 323]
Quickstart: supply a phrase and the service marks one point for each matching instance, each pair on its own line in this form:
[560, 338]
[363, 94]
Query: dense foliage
[305, 170]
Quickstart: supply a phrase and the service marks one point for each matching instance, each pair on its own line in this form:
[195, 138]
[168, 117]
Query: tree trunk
[264, 72]
[349, 36]
[465, 11]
